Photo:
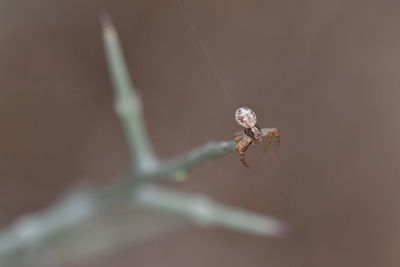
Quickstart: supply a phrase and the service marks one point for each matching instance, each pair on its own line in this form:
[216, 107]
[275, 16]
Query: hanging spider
[246, 118]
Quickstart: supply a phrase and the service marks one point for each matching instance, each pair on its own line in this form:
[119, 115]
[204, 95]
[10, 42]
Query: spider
[246, 118]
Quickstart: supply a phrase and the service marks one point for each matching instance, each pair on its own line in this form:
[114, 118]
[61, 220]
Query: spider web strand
[204, 50]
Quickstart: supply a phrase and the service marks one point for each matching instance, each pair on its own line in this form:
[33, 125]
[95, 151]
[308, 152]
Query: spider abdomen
[246, 117]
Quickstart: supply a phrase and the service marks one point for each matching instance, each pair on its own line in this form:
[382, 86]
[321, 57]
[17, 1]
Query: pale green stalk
[90, 222]
[126, 101]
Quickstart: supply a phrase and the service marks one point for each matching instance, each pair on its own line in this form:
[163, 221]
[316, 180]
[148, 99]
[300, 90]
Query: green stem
[89, 216]
[127, 103]
[168, 168]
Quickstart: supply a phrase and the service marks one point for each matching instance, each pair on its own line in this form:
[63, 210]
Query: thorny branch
[90, 221]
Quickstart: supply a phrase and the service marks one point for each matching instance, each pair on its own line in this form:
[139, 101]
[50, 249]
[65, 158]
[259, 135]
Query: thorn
[106, 22]
[181, 176]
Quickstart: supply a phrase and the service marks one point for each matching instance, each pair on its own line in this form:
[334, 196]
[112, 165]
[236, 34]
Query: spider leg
[272, 133]
[241, 147]
[238, 136]
[241, 156]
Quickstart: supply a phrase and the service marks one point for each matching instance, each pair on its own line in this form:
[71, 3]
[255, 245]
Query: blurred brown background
[325, 72]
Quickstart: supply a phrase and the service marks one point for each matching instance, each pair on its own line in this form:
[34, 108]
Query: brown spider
[246, 118]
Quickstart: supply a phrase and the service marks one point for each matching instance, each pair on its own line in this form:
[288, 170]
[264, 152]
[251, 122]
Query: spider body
[251, 133]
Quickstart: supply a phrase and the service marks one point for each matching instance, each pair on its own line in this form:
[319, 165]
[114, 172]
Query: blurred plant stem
[81, 225]
[92, 221]
[126, 101]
